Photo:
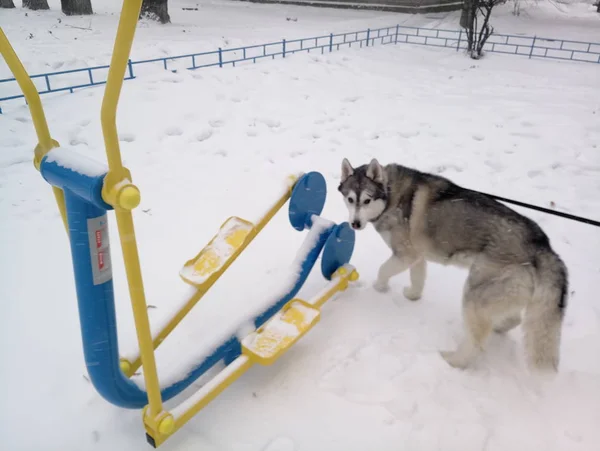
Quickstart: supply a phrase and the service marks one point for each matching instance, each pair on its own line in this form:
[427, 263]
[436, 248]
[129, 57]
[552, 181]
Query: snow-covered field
[208, 144]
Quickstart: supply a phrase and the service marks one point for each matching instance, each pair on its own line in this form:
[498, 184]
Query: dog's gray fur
[512, 266]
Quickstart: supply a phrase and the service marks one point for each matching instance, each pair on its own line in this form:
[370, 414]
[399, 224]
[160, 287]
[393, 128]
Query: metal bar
[130, 66]
[122, 48]
[532, 46]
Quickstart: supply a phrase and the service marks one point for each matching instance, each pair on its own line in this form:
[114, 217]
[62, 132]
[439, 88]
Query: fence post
[368, 35]
[459, 38]
[532, 46]
[130, 66]
[220, 57]
[397, 31]
[330, 42]
[283, 42]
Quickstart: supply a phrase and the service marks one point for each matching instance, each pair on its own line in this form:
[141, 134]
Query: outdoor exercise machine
[85, 190]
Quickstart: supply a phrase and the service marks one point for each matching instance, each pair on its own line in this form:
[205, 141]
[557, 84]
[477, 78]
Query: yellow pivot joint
[118, 190]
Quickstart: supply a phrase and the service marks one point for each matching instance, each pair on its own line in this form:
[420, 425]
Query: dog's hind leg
[418, 273]
[391, 267]
[478, 325]
[492, 298]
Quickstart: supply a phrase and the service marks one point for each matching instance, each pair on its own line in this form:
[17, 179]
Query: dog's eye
[350, 200]
[367, 201]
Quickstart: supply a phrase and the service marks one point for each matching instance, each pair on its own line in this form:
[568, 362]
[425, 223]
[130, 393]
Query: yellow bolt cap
[342, 271]
[129, 197]
[354, 276]
[166, 425]
[125, 366]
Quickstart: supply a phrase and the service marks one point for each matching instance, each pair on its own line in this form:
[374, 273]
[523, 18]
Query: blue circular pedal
[338, 249]
[308, 198]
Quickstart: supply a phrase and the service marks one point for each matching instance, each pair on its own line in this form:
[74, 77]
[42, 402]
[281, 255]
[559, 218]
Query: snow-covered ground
[208, 144]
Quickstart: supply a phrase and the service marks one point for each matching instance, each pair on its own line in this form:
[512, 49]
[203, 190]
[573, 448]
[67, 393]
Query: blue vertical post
[330, 42]
[130, 67]
[283, 44]
[532, 46]
[220, 57]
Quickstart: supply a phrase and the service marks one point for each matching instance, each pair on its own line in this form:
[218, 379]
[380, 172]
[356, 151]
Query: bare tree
[76, 7]
[35, 4]
[477, 37]
[7, 4]
[156, 10]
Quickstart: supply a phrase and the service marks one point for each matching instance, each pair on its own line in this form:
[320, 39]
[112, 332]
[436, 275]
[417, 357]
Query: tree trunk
[7, 4]
[465, 18]
[76, 7]
[156, 10]
[35, 4]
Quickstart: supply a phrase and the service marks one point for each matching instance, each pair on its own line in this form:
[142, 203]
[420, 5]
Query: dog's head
[364, 191]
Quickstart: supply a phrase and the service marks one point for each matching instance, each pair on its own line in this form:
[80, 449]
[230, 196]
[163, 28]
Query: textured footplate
[219, 253]
[278, 334]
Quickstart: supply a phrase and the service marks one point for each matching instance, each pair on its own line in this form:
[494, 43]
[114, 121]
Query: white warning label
[99, 249]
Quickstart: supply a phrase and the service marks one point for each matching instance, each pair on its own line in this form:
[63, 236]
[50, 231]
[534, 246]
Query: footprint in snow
[174, 131]
[127, 137]
[478, 137]
[203, 135]
[409, 134]
[271, 123]
[78, 140]
[216, 123]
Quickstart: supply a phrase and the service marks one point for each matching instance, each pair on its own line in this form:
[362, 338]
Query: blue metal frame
[96, 302]
[531, 46]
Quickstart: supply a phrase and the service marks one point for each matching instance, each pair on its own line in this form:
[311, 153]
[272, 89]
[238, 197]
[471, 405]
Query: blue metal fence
[530, 46]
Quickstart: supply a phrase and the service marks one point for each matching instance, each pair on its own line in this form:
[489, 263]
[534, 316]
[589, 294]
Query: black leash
[546, 210]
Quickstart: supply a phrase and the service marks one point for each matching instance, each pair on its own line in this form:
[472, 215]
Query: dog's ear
[376, 172]
[347, 169]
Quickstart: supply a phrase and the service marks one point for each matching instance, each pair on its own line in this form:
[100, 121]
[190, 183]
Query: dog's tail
[545, 311]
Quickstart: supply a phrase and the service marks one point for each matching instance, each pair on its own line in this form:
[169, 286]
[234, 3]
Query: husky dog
[512, 266]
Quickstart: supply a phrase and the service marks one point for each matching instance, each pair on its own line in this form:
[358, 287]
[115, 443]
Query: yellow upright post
[45, 142]
[119, 192]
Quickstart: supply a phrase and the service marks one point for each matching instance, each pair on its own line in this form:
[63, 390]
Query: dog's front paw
[381, 286]
[411, 294]
[454, 359]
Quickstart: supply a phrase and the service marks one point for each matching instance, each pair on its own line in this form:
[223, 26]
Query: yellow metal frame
[130, 367]
[45, 141]
[119, 192]
[161, 428]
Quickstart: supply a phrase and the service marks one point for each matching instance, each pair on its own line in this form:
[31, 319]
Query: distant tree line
[152, 9]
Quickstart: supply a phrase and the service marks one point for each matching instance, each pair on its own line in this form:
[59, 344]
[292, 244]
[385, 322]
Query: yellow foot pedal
[278, 334]
[227, 244]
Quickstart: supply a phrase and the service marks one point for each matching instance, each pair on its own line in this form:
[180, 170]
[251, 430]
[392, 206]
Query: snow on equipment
[86, 190]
